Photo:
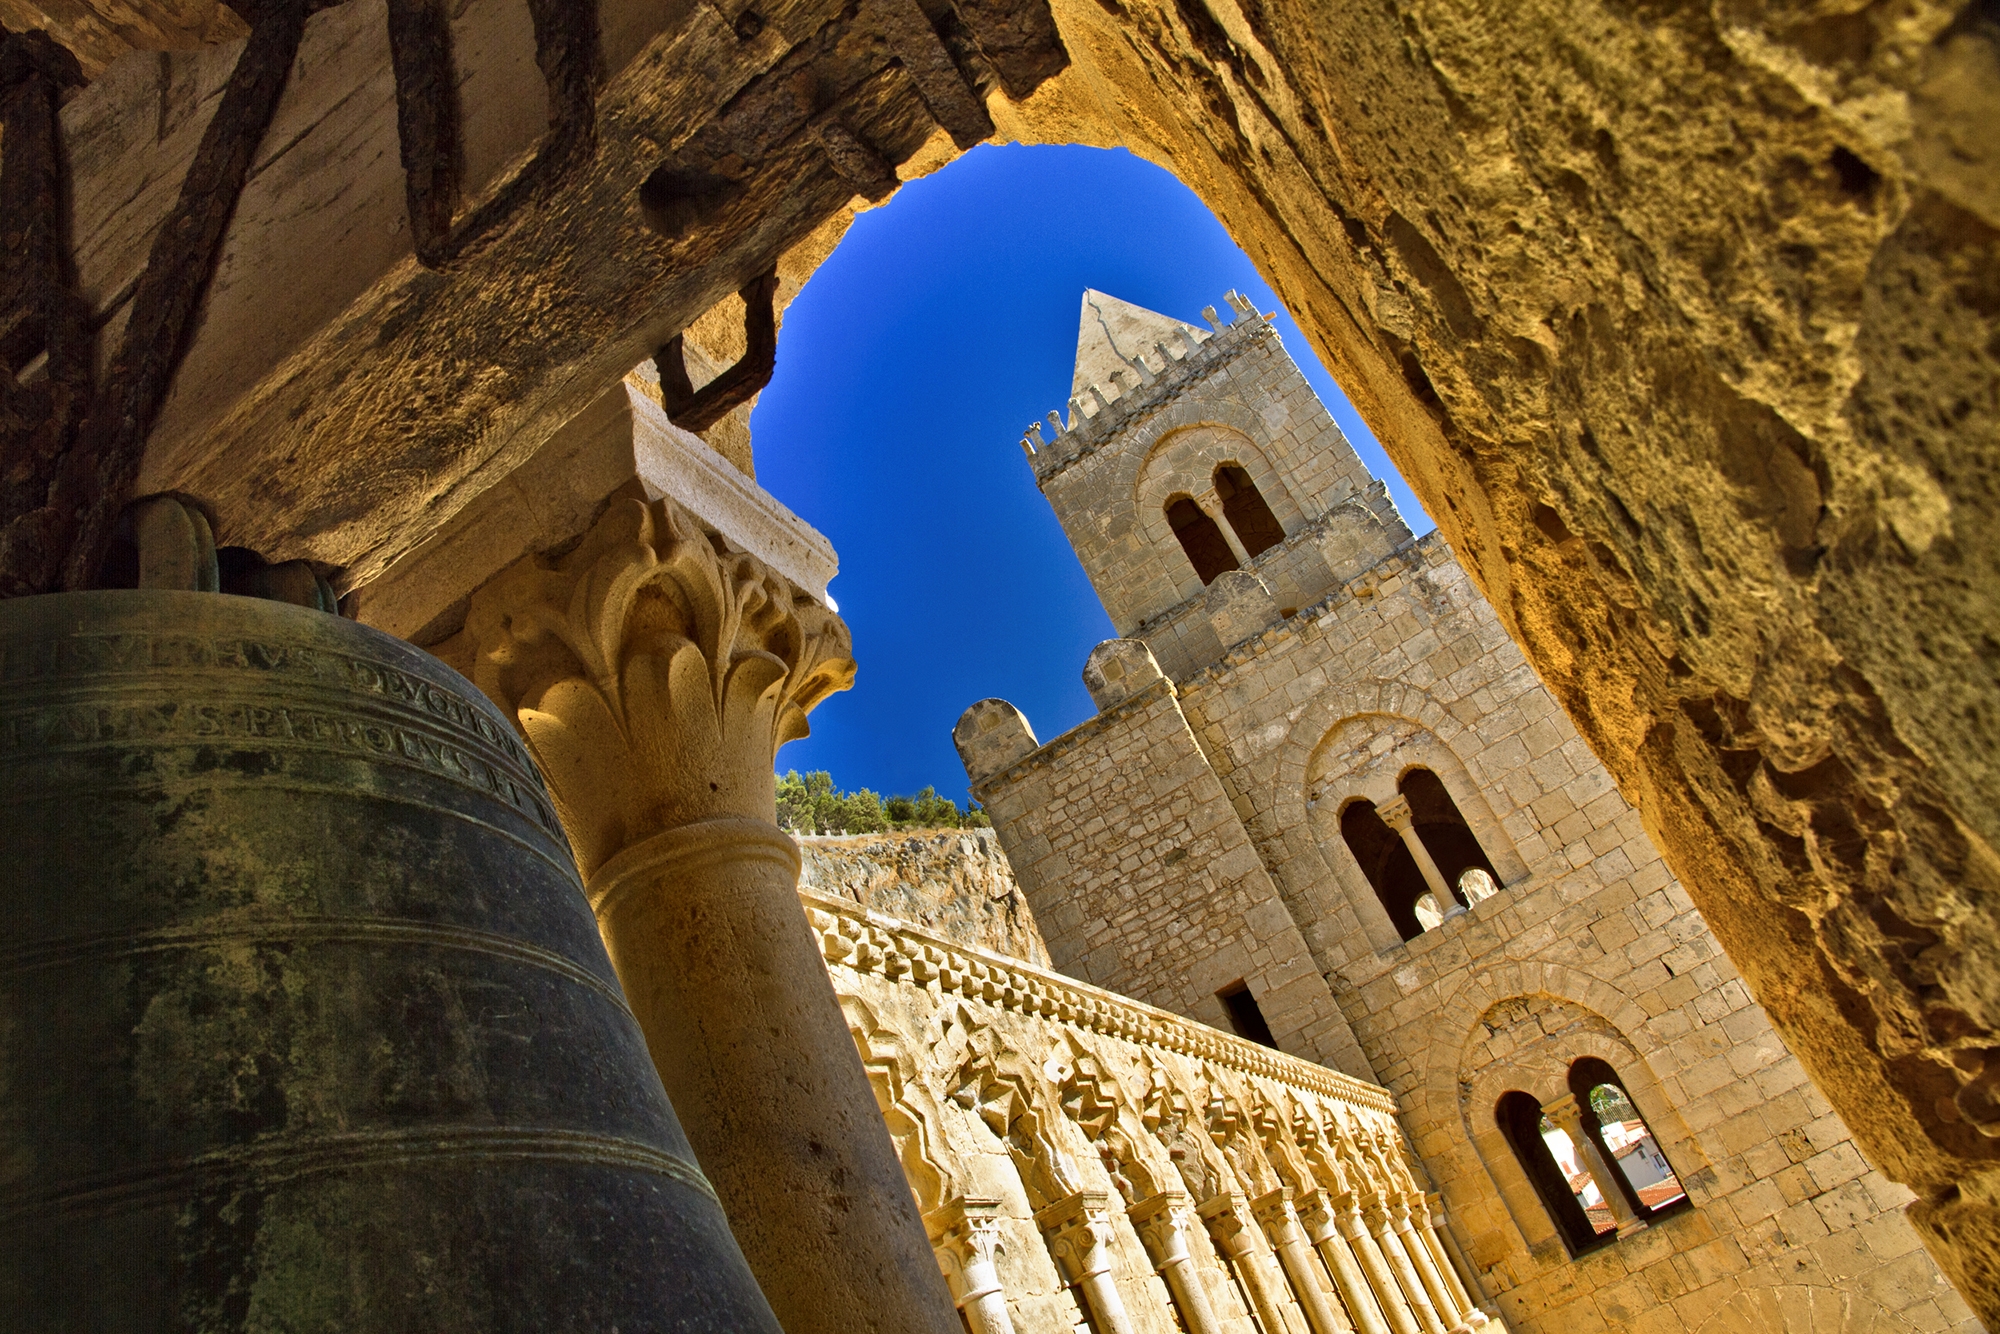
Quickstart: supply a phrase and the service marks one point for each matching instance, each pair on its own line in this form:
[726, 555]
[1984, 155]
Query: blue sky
[908, 369]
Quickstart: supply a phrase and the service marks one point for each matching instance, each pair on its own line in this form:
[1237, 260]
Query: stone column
[1394, 1302]
[966, 1236]
[1281, 1224]
[654, 673]
[1565, 1112]
[1227, 1217]
[1078, 1230]
[1407, 1232]
[1396, 813]
[1213, 509]
[1316, 1217]
[1432, 1232]
[1163, 1222]
[1383, 1229]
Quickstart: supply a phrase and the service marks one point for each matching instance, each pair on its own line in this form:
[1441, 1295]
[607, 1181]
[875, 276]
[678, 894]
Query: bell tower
[1190, 454]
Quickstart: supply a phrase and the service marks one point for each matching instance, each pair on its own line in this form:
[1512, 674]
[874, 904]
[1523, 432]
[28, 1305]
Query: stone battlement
[1095, 415]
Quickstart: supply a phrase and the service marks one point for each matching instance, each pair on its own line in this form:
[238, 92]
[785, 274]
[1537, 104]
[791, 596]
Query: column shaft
[1406, 1274]
[704, 928]
[1420, 1258]
[1389, 1296]
[1347, 1276]
[1566, 1112]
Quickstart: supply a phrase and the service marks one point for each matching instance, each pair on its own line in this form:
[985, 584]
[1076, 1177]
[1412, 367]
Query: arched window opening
[1624, 1140]
[1243, 505]
[1427, 910]
[1474, 884]
[1207, 550]
[1392, 872]
[1553, 1167]
[1445, 834]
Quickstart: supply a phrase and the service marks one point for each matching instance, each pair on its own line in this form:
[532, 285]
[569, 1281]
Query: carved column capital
[1396, 813]
[1162, 1222]
[654, 673]
[965, 1233]
[1078, 1229]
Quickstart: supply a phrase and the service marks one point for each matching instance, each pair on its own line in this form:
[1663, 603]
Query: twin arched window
[1425, 819]
[1591, 1157]
[1257, 530]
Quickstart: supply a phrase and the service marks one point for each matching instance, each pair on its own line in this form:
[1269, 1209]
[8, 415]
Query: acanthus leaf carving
[654, 672]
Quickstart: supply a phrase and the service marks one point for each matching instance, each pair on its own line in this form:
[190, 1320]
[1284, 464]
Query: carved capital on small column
[966, 1236]
[1163, 1222]
[1275, 1213]
[1078, 1230]
[1396, 813]
[1227, 1218]
[1315, 1213]
[654, 673]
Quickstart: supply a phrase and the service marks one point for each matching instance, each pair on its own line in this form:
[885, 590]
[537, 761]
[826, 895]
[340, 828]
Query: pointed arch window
[1244, 507]
[1625, 1141]
[1207, 550]
[1554, 1167]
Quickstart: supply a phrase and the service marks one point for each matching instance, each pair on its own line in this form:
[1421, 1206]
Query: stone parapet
[865, 942]
[1067, 1145]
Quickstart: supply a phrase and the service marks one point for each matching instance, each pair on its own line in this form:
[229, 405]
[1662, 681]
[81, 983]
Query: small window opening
[1427, 910]
[1474, 884]
[1444, 832]
[1624, 1140]
[1245, 1015]
[1535, 1143]
[1243, 505]
[1391, 870]
[1207, 550]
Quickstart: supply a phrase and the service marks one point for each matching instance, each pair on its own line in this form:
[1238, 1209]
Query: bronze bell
[304, 1021]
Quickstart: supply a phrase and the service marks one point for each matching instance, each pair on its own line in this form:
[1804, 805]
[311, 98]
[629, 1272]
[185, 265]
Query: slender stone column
[1430, 1230]
[966, 1237]
[1281, 1224]
[1565, 1112]
[1227, 1217]
[654, 675]
[1395, 1303]
[1382, 1227]
[1396, 813]
[1316, 1217]
[1449, 1312]
[1456, 1266]
[1163, 1222]
[1078, 1230]
[1213, 509]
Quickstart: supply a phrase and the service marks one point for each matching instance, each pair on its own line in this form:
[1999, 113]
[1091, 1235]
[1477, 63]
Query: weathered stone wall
[954, 882]
[1145, 883]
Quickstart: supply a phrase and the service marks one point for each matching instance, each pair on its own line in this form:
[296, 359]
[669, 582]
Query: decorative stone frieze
[1116, 1142]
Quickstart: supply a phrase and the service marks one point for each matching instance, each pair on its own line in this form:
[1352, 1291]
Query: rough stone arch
[1152, 484]
[1291, 827]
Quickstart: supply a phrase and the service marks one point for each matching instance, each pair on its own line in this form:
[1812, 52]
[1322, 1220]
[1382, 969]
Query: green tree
[813, 805]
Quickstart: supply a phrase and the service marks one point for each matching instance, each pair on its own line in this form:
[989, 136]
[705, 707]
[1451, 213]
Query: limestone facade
[1325, 777]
